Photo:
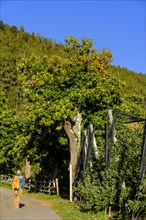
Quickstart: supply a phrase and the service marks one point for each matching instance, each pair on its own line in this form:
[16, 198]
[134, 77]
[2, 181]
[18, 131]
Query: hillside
[16, 44]
[135, 82]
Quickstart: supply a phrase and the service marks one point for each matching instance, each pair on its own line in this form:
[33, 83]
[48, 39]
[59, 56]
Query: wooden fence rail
[45, 186]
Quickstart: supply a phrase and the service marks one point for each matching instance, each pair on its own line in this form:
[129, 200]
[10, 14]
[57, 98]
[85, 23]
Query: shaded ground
[30, 208]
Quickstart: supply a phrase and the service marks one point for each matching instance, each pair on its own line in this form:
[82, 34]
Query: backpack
[16, 184]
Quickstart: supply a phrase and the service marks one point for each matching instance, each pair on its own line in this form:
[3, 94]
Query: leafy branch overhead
[55, 86]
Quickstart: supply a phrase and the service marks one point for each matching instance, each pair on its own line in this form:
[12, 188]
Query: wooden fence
[45, 186]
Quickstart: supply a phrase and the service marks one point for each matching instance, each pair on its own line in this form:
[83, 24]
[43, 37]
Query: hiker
[18, 186]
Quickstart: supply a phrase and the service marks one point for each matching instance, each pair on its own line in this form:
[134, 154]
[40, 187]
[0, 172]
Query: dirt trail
[31, 209]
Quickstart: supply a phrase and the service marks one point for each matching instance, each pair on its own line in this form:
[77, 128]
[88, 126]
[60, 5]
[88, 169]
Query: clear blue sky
[119, 26]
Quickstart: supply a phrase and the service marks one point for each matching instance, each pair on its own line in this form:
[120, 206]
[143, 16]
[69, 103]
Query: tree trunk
[73, 131]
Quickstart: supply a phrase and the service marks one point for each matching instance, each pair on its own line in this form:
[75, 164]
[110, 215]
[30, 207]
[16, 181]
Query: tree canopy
[56, 87]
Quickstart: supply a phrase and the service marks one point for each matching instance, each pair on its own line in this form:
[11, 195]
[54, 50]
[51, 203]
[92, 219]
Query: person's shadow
[21, 205]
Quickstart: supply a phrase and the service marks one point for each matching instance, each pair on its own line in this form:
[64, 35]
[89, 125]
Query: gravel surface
[31, 209]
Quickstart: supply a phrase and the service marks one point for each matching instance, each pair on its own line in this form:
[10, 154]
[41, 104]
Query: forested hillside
[51, 94]
[17, 44]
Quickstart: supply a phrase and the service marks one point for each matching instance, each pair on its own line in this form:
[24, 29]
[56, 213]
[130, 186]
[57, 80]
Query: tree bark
[73, 131]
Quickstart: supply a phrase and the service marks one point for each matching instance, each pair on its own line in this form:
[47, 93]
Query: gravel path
[31, 209]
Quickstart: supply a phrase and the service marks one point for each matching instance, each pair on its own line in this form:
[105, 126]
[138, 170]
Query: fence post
[29, 184]
[70, 171]
[40, 185]
[57, 186]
